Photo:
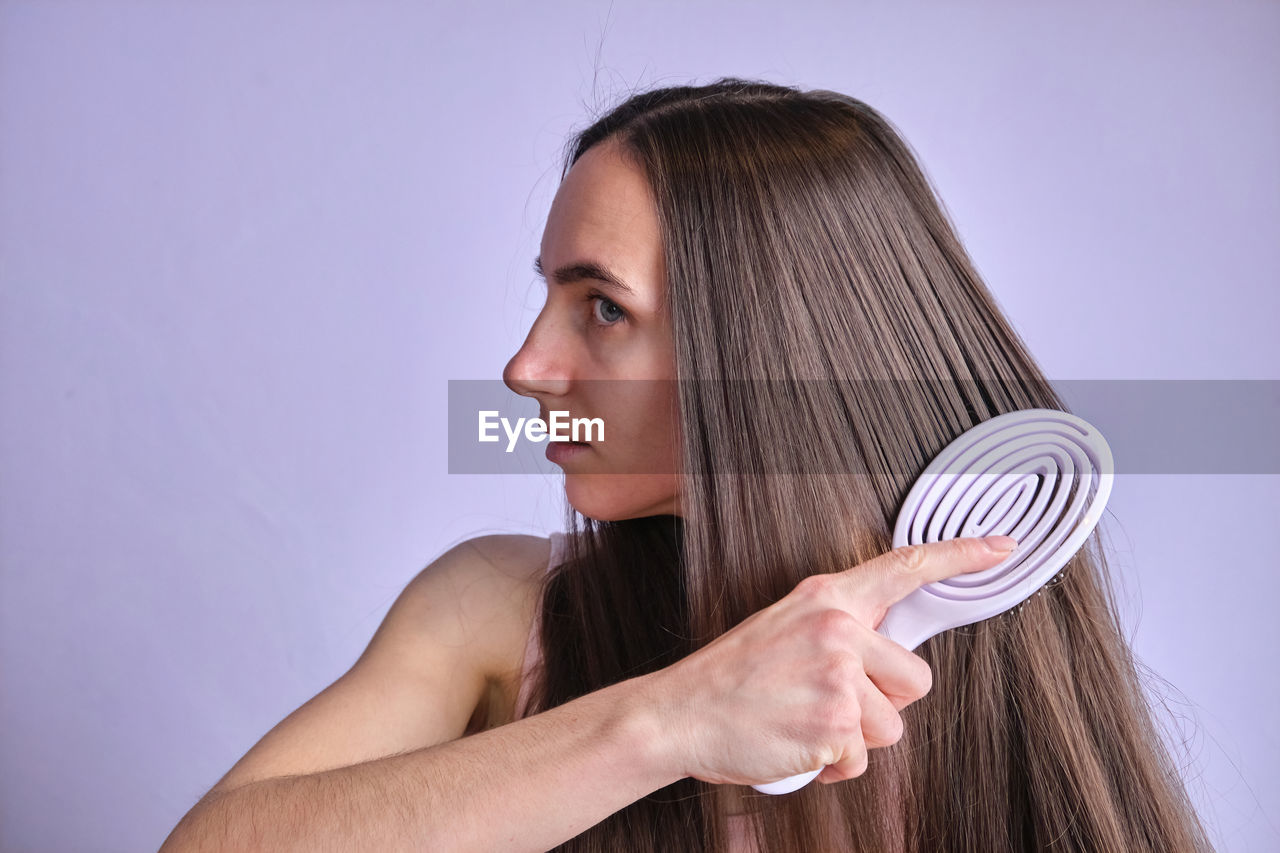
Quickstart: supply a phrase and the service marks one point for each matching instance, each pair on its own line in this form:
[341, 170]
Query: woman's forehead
[604, 214]
[605, 194]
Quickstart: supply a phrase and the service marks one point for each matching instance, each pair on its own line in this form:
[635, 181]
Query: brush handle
[789, 784]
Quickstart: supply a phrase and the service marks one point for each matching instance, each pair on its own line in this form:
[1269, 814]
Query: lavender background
[243, 247]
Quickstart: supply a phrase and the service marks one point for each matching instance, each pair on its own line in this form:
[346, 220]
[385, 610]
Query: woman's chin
[607, 497]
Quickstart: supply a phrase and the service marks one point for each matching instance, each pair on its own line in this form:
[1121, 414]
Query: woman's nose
[539, 367]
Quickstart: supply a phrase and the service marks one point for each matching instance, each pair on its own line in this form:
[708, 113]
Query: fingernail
[1000, 544]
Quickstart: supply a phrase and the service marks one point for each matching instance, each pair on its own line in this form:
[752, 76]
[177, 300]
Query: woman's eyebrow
[579, 270]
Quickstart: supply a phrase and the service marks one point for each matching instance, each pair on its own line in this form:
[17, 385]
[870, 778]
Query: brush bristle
[1056, 579]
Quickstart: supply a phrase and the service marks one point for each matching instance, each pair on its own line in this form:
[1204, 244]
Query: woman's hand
[807, 681]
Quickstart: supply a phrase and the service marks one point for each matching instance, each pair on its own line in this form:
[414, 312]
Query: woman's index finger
[895, 574]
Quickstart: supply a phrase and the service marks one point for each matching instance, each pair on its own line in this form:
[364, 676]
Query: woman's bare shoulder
[497, 601]
[514, 556]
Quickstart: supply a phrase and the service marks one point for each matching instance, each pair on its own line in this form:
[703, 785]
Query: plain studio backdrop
[244, 246]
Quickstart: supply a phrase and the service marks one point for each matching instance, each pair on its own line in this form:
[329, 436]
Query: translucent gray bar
[1153, 426]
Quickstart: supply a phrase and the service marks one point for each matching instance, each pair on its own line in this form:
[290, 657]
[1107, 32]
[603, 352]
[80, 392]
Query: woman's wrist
[649, 726]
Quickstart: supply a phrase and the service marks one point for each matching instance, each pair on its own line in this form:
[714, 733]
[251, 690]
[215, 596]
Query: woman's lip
[560, 451]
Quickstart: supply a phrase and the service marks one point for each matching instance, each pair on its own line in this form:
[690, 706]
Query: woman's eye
[606, 311]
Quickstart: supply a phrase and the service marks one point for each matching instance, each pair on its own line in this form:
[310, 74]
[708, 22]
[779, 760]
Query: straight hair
[804, 245]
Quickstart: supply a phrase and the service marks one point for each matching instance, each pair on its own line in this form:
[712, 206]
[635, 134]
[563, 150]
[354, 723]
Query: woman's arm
[525, 786]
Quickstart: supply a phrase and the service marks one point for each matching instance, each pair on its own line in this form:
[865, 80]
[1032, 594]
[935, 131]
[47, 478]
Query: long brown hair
[803, 242]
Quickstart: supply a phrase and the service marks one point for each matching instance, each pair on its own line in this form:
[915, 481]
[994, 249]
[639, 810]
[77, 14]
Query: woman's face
[594, 341]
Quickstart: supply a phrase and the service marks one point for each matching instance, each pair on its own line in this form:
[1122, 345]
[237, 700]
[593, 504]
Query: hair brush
[1039, 475]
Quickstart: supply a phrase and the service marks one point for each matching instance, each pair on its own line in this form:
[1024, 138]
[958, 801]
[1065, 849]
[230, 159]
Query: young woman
[756, 290]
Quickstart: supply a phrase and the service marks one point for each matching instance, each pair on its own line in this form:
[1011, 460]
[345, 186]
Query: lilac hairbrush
[1039, 475]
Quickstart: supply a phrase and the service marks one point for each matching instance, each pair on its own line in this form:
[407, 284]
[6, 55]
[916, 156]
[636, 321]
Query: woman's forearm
[525, 786]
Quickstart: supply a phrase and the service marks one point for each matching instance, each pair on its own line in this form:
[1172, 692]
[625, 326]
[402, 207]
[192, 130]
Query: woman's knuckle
[854, 763]
[814, 586]
[920, 675]
[842, 668]
[841, 715]
[833, 627]
[884, 728]
[910, 559]
[851, 723]
[893, 728]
